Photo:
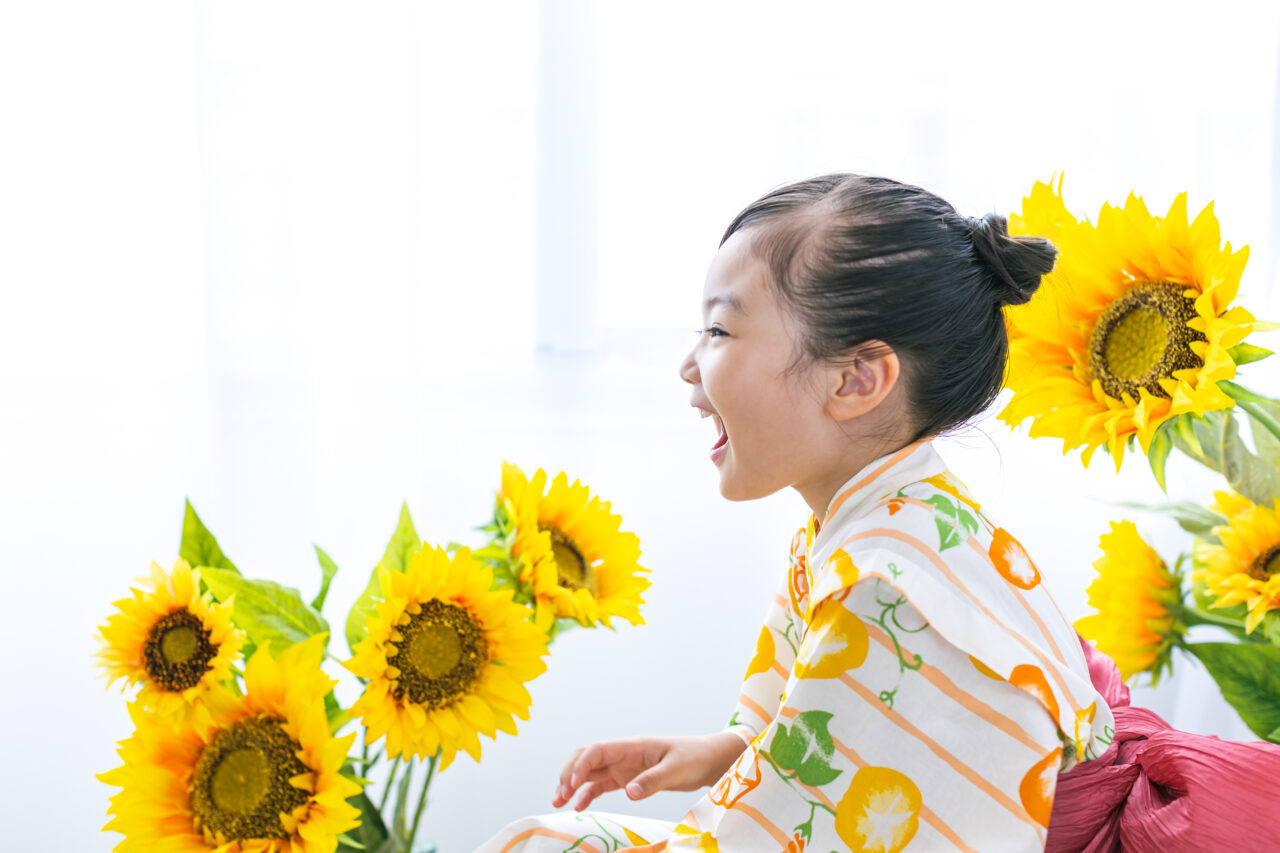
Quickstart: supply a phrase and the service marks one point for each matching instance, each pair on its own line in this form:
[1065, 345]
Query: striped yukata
[914, 687]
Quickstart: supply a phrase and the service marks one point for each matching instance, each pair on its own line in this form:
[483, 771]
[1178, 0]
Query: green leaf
[807, 748]
[400, 824]
[816, 772]
[1249, 677]
[404, 544]
[338, 716]
[1158, 452]
[1247, 353]
[952, 520]
[265, 610]
[1259, 407]
[1271, 627]
[786, 750]
[328, 568]
[198, 547]
[1246, 473]
[1191, 517]
[371, 833]
[1200, 438]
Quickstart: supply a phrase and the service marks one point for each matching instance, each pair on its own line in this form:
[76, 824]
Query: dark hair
[859, 258]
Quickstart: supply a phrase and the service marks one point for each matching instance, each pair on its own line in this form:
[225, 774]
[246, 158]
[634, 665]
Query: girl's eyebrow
[724, 299]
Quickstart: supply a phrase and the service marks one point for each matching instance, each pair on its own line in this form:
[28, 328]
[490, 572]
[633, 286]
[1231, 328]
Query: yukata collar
[886, 475]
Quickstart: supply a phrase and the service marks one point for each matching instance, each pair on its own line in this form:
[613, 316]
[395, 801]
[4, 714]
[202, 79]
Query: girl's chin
[736, 488]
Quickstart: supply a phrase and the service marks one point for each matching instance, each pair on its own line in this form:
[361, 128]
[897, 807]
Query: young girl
[914, 685]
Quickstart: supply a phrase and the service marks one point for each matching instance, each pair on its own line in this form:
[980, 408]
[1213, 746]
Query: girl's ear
[858, 385]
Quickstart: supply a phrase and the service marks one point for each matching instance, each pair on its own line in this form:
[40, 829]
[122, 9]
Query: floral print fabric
[913, 687]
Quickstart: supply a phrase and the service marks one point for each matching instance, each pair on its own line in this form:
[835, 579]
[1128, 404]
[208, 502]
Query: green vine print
[889, 622]
[607, 840]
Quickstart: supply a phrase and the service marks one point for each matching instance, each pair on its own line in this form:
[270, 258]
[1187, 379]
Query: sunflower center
[1143, 337]
[439, 654]
[1267, 564]
[177, 651]
[241, 782]
[436, 649]
[572, 570]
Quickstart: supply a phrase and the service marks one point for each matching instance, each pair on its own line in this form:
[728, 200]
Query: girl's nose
[689, 369]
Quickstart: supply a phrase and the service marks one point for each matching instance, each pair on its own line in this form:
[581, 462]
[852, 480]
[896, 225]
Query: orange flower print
[1011, 560]
[984, 669]
[841, 564]
[880, 812]
[741, 779]
[1032, 680]
[1084, 728]
[795, 845]
[836, 642]
[686, 838]
[762, 661]
[798, 576]
[1038, 785]
[948, 483]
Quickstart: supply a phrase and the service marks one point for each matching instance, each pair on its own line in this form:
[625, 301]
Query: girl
[914, 685]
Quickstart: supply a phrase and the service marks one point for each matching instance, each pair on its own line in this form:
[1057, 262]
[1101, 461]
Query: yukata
[914, 687]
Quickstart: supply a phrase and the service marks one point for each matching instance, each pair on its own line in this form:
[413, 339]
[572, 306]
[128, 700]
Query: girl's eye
[711, 331]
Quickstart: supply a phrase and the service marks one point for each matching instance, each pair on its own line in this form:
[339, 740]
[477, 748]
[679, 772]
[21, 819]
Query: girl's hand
[646, 765]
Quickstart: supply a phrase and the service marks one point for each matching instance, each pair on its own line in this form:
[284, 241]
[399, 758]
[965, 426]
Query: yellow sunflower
[1132, 327]
[1246, 566]
[262, 776]
[446, 658]
[1135, 596]
[177, 644]
[570, 548]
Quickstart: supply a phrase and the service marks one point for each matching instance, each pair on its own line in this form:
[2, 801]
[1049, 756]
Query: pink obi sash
[1159, 789]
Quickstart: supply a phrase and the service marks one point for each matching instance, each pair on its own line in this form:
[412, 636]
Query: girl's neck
[819, 493]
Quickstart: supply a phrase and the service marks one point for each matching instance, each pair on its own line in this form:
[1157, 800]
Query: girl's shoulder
[973, 582]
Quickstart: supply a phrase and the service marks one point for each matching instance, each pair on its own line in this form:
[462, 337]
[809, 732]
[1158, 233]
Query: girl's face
[770, 419]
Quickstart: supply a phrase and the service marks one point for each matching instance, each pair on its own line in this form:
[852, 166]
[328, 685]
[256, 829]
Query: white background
[280, 259]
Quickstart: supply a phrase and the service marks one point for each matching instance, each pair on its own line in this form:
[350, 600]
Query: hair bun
[1015, 264]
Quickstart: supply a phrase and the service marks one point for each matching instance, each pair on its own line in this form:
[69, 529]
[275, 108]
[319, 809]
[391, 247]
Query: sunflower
[177, 644]
[570, 549]
[1246, 566]
[1135, 595]
[261, 776]
[1132, 327]
[446, 658]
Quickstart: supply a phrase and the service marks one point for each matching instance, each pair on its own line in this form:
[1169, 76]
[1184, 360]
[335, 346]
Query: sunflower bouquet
[1132, 343]
[238, 740]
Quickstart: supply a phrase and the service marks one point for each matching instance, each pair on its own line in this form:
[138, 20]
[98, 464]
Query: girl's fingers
[589, 759]
[592, 790]
[564, 791]
[650, 781]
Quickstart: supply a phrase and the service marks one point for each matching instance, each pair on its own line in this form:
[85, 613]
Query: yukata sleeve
[770, 666]
[891, 738]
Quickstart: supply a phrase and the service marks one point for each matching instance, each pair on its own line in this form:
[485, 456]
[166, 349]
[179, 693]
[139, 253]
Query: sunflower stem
[1250, 402]
[1195, 616]
[422, 800]
[391, 778]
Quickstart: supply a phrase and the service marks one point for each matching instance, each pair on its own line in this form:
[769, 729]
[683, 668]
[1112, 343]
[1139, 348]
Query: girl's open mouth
[722, 440]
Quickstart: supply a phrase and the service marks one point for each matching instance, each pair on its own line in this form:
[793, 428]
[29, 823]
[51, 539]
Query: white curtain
[280, 258]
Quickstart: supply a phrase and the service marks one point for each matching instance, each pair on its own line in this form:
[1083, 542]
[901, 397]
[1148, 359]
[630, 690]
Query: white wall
[280, 258]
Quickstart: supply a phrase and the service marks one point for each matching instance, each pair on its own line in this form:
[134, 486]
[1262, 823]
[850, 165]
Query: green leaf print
[806, 749]
[951, 519]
